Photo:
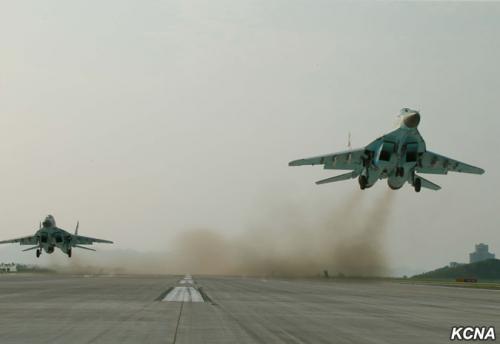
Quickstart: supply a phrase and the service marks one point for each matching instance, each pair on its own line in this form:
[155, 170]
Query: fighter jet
[49, 236]
[397, 156]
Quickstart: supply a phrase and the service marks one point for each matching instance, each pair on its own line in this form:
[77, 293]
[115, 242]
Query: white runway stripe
[188, 279]
[184, 294]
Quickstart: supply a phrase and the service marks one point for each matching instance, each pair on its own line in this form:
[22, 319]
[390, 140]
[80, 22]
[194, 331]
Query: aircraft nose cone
[412, 121]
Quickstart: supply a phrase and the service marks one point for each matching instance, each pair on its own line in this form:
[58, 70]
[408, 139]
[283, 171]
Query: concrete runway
[129, 309]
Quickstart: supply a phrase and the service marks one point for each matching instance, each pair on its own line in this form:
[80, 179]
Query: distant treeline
[484, 270]
[32, 268]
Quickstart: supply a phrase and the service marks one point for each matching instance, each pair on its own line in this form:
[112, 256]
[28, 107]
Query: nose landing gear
[69, 253]
[38, 253]
[417, 184]
[363, 181]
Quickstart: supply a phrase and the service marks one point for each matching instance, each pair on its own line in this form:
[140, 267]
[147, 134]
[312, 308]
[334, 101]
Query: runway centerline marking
[184, 293]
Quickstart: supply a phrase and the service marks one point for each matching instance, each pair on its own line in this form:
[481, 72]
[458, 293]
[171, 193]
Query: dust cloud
[348, 241]
[288, 242]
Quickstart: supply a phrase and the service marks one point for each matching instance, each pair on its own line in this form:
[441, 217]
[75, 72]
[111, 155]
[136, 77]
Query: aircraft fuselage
[394, 156]
[52, 237]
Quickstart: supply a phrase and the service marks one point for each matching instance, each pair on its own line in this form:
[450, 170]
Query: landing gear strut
[38, 253]
[417, 184]
[69, 253]
[362, 182]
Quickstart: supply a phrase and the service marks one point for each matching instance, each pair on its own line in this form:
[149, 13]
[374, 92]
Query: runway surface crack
[178, 322]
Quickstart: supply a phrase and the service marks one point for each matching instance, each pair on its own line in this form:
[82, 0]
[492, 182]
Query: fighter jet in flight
[398, 156]
[49, 236]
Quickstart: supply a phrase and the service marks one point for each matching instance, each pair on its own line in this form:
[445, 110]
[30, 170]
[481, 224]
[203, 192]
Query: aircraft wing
[27, 240]
[83, 240]
[346, 160]
[438, 164]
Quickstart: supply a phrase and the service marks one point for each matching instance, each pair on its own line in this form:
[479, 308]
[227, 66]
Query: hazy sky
[145, 118]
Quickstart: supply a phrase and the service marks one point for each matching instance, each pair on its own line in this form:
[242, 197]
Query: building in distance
[481, 253]
[8, 267]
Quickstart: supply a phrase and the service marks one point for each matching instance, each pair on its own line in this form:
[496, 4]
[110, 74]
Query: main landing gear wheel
[38, 253]
[362, 182]
[69, 253]
[417, 184]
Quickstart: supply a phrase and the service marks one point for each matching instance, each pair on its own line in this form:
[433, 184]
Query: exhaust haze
[350, 240]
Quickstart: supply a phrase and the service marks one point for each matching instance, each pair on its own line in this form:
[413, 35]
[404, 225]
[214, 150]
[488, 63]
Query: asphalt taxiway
[200, 309]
